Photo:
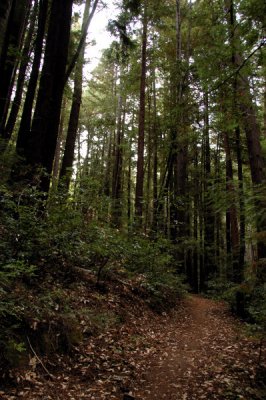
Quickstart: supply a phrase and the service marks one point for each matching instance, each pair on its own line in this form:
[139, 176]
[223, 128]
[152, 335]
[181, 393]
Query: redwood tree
[68, 158]
[41, 146]
[9, 56]
[26, 118]
[140, 161]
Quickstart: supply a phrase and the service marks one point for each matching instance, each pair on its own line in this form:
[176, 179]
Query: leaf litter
[196, 351]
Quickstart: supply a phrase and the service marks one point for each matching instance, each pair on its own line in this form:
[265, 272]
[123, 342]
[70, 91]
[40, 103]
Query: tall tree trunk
[42, 142]
[250, 125]
[141, 130]
[129, 222]
[82, 42]
[9, 56]
[5, 7]
[68, 158]
[147, 217]
[25, 122]
[118, 165]
[57, 158]
[107, 177]
[232, 231]
[177, 170]
[109, 163]
[239, 272]
[193, 276]
[218, 217]
[210, 268]
[179, 207]
[21, 75]
[155, 155]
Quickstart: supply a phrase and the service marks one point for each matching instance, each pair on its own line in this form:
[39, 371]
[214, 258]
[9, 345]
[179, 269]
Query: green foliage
[149, 257]
[153, 261]
[42, 237]
[14, 271]
[219, 288]
[14, 352]
[248, 301]
[40, 234]
[96, 322]
[257, 310]
[12, 344]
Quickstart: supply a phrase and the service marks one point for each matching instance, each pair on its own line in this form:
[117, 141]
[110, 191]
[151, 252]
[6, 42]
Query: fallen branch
[40, 361]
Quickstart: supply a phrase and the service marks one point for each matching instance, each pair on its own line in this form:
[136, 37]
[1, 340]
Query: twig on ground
[40, 361]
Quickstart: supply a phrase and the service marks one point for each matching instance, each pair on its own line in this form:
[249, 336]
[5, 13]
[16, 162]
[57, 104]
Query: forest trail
[204, 356]
[196, 351]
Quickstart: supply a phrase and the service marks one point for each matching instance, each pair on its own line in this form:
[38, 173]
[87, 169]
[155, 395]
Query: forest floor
[196, 351]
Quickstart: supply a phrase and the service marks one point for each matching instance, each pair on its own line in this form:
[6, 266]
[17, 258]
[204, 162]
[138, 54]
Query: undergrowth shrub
[12, 343]
[48, 237]
[247, 300]
[154, 261]
[218, 287]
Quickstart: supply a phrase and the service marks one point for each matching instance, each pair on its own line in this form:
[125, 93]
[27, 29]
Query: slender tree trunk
[179, 215]
[147, 218]
[140, 160]
[21, 75]
[68, 158]
[264, 103]
[239, 272]
[155, 156]
[209, 241]
[232, 231]
[8, 62]
[86, 24]
[129, 186]
[218, 215]
[193, 277]
[250, 125]
[177, 153]
[107, 178]
[5, 7]
[202, 270]
[252, 131]
[57, 158]
[42, 144]
[25, 122]
[118, 165]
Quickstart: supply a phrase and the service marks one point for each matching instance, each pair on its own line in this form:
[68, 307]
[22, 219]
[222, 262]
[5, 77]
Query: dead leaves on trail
[196, 352]
[206, 356]
[120, 333]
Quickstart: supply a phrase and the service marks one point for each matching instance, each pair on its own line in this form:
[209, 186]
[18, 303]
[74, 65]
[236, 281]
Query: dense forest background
[153, 166]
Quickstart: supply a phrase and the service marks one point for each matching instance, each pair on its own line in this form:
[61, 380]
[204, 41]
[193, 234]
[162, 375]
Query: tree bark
[118, 165]
[25, 57]
[239, 272]
[129, 186]
[42, 142]
[232, 231]
[86, 24]
[9, 56]
[141, 130]
[210, 267]
[25, 122]
[57, 158]
[5, 7]
[68, 158]
[250, 124]
[155, 155]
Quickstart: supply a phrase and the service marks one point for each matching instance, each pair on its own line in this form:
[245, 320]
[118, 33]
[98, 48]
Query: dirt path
[204, 356]
[196, 352]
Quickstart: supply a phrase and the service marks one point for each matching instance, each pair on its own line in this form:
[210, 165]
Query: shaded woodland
[151, 167]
